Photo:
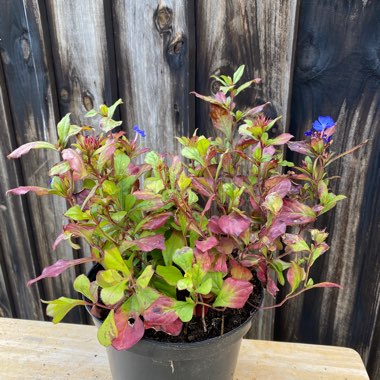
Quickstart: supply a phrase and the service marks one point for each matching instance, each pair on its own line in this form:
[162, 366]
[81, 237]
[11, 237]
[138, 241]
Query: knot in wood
[177, 44]
[215, 86]
[163, 19]
[25, 47]
[87, 100]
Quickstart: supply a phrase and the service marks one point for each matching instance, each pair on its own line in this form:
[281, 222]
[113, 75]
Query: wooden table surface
[42, 350]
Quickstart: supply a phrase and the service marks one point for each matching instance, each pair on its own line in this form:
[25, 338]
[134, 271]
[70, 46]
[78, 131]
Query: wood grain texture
[17, 249]
[154, 50]
[31, 349]
[27, 71]
[337, 73]
[82, 45]
[261, 35]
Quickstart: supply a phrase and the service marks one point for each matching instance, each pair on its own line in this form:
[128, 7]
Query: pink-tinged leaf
[271, 287]
[220, 97]
[146, 195]
[207, 244]
[162, 317]
[262, 272]
[299, 147]
[25, 189]
[60, 266]
[213, 225]
[138, 170]
[226, 245]
[281, 139]
[23, 149]
[208, 204]
[238, 272]
[157, 221]
[234, 293]
[204, 259]
[203, 186]
[59, 240]
[86, 232]
[257, 109]
[269, 150]
[147, 244]
[220, 264]
[327, 285]
[208, 99]
[233, 224]
[130, 330]
[278, 184]
[81, 196]
[221, 119]
[277, 229]
[76, 163]
[295, 213]
[295, 275]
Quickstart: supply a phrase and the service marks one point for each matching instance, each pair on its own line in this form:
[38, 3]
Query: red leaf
[147, 244]
[271, 287]
[281, 139]
[208, 204]
[60, 266]
[157, 221]
[220, 265]
[161, 317]
[207, 244]
[327, 285]
[256, 109]
[130, 330]
[213, 225]
[278, 184]
[23, 149]
[25, 189]
[234, 293]
[58, 240]
[294, 213]
[239, 272]
[76, 162]
[203, 259]
[299, 147]
[226, 245]
[233, 224]
[203, 186]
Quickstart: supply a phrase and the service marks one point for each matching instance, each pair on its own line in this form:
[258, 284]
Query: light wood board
[41, 350]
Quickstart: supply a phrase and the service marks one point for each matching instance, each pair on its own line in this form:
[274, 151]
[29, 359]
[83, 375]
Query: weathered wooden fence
[316, 57]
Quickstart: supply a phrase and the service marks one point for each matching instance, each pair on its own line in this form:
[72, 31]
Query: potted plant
[183, 245]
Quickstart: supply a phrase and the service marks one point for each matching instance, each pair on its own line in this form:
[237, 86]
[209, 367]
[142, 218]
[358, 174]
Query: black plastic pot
[212, 359]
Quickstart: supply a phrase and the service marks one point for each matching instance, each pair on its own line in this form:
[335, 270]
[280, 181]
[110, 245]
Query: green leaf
[175, 241]
[184, 309]
[184, 181]
[82, 285]
[63, 128]
[185, 283]
[109, 277]
[217, 281]
[154, 184]
[111, 110]
[145, 297]
[144, 278]
[107, 331]
[113, 260]
[192, 197]
[121, 162]
[193, 154]
[170, 274]
[75, 213]
[244, 86]
[273, 203]
[118, 216]
[202, 145]
[110, 187]
[60, 168]
[91, 113]
[184, 257]
[205, 287]
[153, 159]
[238, 74]
[113, 294]
[57, 309]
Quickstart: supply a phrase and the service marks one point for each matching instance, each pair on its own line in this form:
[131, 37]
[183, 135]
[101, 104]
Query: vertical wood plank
[154, 49]
[261, 35]
[337, 73]
[82, 45]
[28, 75]
[17, 249]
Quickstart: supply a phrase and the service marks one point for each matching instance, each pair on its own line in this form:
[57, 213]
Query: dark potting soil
[216, 321]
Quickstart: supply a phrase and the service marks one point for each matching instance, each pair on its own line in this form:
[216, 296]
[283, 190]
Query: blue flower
[139, 131]
[323, 122]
